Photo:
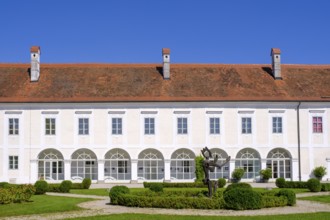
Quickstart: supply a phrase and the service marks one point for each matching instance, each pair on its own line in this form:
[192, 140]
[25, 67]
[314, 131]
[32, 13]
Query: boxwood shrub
[170, 202]
[314, 185]
[17, 193]
[41, 187]
[86, 183]
[325, 187]
[222, 182]
[238, 185]
[274, 201]
[290, 195]
[156, 187]
[280, 182]
[117, 192]
[242, 199]
[65, 186]
[177, 185]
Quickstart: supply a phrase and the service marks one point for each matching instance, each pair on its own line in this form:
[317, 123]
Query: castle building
[148, 122]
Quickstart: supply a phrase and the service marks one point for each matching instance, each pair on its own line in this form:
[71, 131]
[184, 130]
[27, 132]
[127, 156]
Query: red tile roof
[144, 82]
[166, 51]
[35, 49]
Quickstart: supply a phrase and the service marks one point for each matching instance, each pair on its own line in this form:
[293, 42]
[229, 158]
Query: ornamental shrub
[274, 201]
[6, 196]
[289, 194]
[65, 186]
[77, 186]
[86, 183]
[116, 192]
[325, 187]
[4, 184]
[314, 185]
[320, 172]
[242, 199]
[178, 185]
[54, 187]
[199, 172]
[280, 182]
[266, 174]
[156, 187]
[221, 182]
[238, 185]
[41, 187]
[237, 174]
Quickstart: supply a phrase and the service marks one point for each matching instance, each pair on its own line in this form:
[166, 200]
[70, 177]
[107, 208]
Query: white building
[136, 122]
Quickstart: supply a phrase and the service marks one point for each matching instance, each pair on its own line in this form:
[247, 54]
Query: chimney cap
[275, 51]
[35, 49]
[166, 51]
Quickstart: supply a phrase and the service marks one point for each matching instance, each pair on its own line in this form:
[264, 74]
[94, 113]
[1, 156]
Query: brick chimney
[276, 62]
[166, 63]
[35, 63]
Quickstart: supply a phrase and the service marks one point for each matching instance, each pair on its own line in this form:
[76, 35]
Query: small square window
[182, 126]
[246, 126]
[214, 125]
[149, 125]
[83, 126]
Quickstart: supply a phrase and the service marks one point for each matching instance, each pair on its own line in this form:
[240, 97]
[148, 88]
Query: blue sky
[135, 31]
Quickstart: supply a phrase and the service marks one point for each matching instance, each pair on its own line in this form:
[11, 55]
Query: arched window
[50, 165]
[224, 171]
[183, 164]
[117, 165]
[150, 165]
[83, 165]
[249, 160]
[279, 161]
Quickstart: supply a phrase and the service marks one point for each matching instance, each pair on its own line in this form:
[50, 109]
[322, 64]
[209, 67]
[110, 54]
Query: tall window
[246, 126]
[13, 162]
[182, 126]
[117, 126]
[50, 126]
[277, 125]
[214, 125]
[13, 126]
[317, 125]
[83, 126]
[149, 125]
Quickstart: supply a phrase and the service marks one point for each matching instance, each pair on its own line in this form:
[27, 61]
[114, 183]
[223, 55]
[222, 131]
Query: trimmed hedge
[290, 195]
[222, 182]
[156, 187]
[242, 199]
[325, 187]
[86, 183]
[238, 185]
[282, 183]
[41, 187]
[117, 192]
[17, 194]
[65, 186]
[177, 185]
[314, 185]
[274, 201]
[170, 202]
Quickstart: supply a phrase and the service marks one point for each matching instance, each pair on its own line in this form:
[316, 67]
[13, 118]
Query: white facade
[123, 142]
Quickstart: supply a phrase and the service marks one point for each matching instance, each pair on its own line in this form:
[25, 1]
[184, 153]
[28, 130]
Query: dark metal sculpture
[209, 166]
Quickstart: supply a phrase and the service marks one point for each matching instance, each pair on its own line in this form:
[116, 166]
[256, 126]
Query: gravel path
[101, 207]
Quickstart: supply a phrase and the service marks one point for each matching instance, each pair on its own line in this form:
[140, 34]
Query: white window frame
[84, 133]
[149, 128]
[318, 113]
[245, 125]
[214, 126]
[50, 128]
[276, 128]
[15, 124]
[13, 161]
[182, 128]
[116, 130]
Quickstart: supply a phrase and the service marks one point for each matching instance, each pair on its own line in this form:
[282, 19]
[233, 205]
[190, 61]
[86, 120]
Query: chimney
[276, 62]
[166, 63]
[35, 63]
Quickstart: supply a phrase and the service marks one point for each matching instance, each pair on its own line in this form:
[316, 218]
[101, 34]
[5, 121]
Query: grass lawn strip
[324, 199]
[42, 204]
[311, 216]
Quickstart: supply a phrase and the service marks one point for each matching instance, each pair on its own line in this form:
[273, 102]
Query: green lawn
[104, 192]
[312, 216]
[41, 204]
[325, 199]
